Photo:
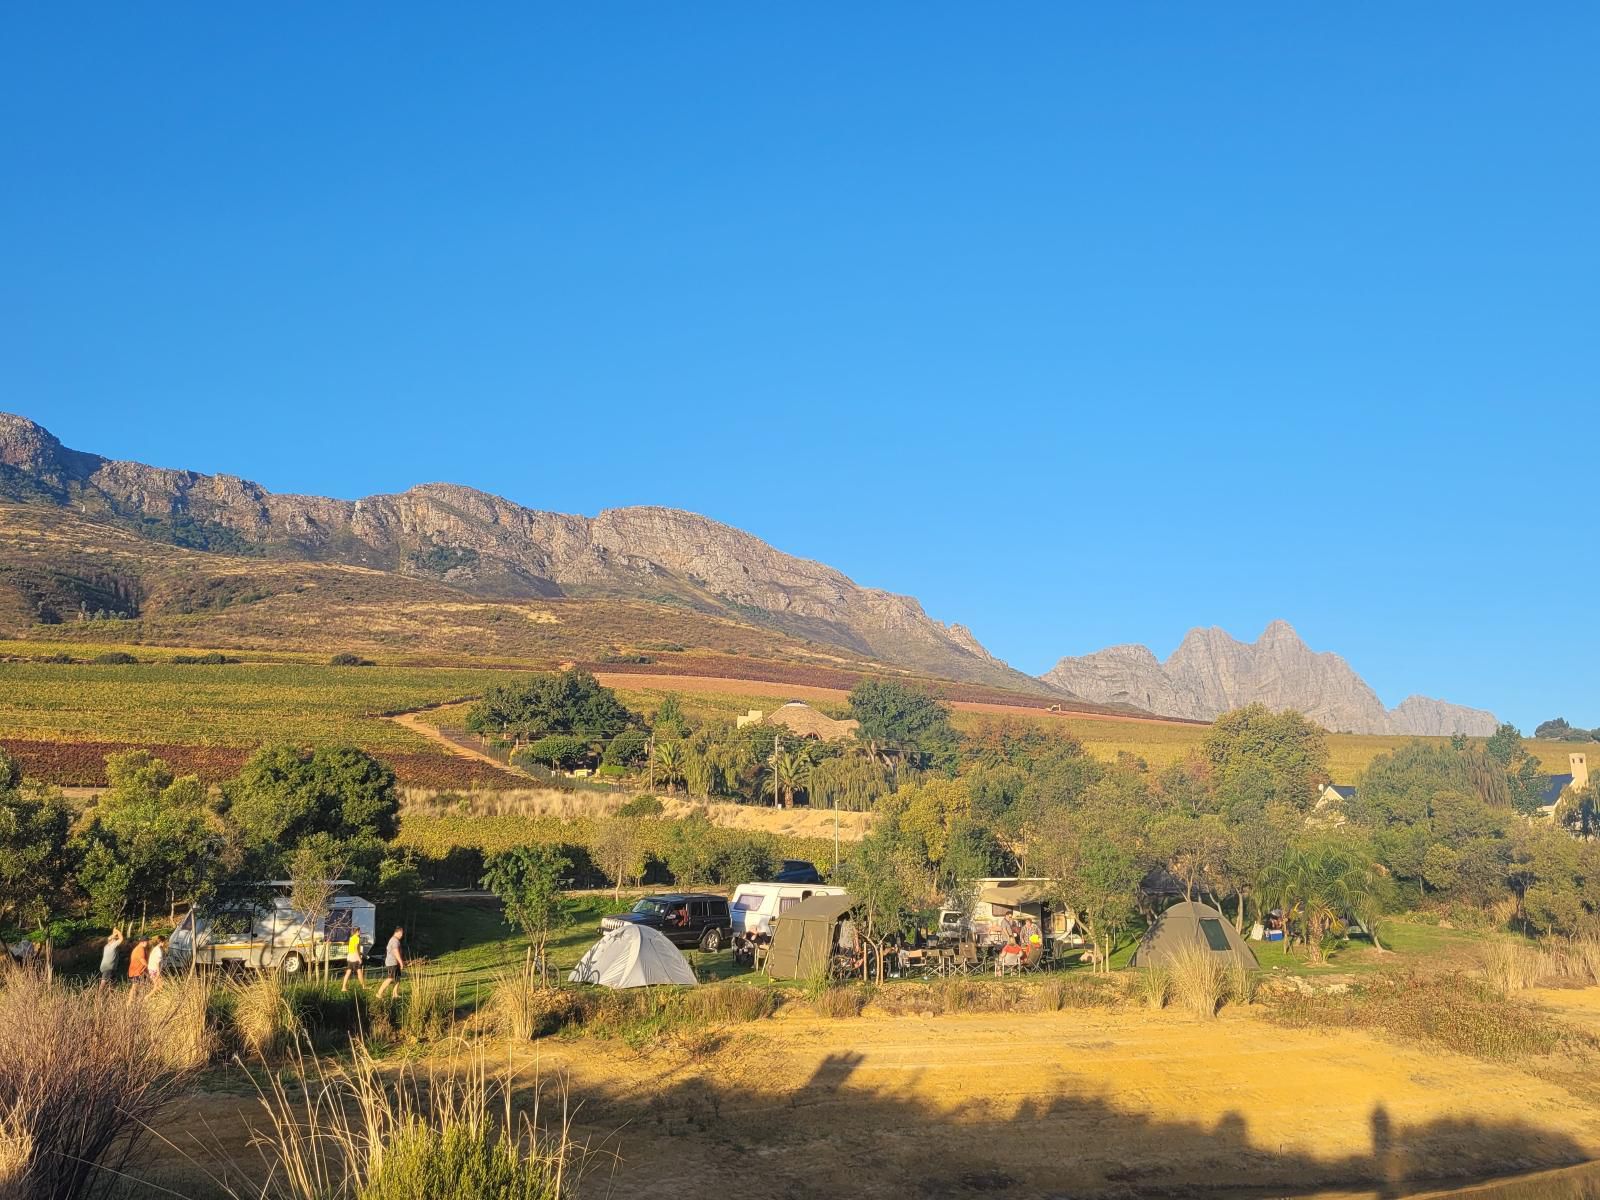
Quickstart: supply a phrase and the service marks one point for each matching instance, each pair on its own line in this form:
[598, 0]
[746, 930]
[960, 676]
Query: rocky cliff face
[489, 546]
[1212, 672]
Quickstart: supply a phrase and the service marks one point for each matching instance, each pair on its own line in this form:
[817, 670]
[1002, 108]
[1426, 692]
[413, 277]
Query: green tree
[150, 840]
[785, 776]
[561, 751]
[670, 756]
[630, 748]
[1095, 861]
[1276, 757]
[1321, 882]
[669, 719]
[571, 701]
[888, 883]
[527, 881]
[285, 794]
[34, 860]
[315, 866]
[909, 721]
[620, 851]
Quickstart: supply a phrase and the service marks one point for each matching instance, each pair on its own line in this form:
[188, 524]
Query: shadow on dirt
[834, 1137]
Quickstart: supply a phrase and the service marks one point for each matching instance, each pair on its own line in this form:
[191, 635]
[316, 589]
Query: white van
[273, 936]
[756, 905]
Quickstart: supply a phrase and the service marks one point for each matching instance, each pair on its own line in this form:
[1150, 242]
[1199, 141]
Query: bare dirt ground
[417, 725]
[1080, 1104]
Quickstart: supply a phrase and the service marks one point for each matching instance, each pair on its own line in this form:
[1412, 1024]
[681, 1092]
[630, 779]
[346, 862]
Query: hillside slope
[1211, 672]
[444, 536]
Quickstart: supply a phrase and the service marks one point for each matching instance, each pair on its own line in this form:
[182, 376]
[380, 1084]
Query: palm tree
[785, 776]
[669, 764]
[1321, 883]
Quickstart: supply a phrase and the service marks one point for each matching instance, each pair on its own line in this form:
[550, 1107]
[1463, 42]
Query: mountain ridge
[488, 546]
[1211, 672]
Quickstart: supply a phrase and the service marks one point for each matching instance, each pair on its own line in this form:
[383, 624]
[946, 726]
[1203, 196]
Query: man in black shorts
[394, 962]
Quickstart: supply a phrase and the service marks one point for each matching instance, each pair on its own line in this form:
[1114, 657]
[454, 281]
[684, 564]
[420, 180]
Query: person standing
[352, 961]
[394, 962]
[139, 963]
[157, 956]
[108, 959]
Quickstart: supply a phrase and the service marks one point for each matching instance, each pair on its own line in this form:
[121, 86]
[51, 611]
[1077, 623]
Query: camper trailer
[1002, 897]
[274, 935]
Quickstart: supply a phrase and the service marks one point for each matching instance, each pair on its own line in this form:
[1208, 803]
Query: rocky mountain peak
[1211, 672]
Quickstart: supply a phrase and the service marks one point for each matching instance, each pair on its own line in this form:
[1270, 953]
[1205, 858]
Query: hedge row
[451, 849]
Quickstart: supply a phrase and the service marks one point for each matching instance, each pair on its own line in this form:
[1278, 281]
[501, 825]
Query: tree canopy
[571, 701]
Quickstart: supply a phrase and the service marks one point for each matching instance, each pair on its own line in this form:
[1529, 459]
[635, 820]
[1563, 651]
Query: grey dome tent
[1190, 923]
[633, 956]
[803, 938]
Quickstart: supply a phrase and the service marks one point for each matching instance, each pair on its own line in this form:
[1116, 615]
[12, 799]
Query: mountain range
[1211, 672]
[203, 559]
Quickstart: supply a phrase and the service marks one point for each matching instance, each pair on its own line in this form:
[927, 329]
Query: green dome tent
[803, 938]
[1190, 923]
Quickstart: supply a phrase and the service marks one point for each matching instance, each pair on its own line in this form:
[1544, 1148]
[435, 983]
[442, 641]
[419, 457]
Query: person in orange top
[139, 962]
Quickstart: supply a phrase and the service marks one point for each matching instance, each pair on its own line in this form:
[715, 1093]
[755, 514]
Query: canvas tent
[632, 956]
[1190, 923]
[803, 937]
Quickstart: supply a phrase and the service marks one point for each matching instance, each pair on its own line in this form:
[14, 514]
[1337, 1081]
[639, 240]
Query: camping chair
[1008, 961]
[966, 959]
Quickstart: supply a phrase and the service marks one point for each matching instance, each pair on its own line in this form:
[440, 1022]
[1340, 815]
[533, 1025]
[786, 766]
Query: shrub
[346, 659]
[840, 1000]
[82, 1080]
[1241, 985]
[641, 806]
[428, 1007]
[1511, 965]
[1197, 980]
[1466, 1015]
[212, 659]
[114, 658]
[610, 771]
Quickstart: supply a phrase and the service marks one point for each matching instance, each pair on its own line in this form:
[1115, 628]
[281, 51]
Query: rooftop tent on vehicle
[633, 956]
[803, 938]
[1191, 923]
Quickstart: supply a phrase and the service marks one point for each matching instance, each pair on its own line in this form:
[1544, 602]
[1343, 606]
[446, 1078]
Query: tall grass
[428, 1005]
[1197, 980]
[335, 1132]
[264, 1018]
[82, 1076]
[1153, 985]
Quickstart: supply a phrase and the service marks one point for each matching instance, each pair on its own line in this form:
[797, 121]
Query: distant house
[1335, 794]
[1577, 777]
[799, 717]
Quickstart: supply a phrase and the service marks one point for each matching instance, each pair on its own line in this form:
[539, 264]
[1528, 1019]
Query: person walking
[108, 959]
[157, 956]
[139, 965]
[394, 962]
[353, 964]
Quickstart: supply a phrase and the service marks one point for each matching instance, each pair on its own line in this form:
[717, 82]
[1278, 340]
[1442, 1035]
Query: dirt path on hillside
[413, 722]
[1082, 1104]
[797, 691]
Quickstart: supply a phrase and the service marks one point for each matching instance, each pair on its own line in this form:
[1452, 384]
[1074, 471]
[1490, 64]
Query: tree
[562, 751]
[315, 866]
[527, 880]
[628, 749]
[34, 863]
[151, 839]
[285, 794]
[669, 719]
[569, 701]
[619, 851]
[698, 775]
[883, 876]
[1195, 849]
[897, 717]
[1319, 883]
[669, 760]
[1093, 857]
[1280, 757]
[786, 774]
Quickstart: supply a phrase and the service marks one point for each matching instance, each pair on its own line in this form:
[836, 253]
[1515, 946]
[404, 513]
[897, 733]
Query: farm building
[1576, 777]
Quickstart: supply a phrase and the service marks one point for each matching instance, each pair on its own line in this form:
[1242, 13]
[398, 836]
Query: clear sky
[1082, 323]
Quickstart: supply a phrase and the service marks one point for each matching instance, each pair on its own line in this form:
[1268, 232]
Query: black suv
[795, 870]
[687, 918]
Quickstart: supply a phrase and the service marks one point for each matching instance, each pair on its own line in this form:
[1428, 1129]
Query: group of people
[145, 963]
[1023, 944]
[394, 962]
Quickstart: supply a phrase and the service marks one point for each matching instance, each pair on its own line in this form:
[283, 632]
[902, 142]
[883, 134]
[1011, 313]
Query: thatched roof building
[799, 717]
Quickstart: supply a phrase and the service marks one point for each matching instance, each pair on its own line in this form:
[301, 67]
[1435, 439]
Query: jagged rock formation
[1212, 672]
[488, 546]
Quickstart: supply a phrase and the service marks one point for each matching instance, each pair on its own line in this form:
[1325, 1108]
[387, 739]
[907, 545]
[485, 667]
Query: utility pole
[650, 744]
[777, 740]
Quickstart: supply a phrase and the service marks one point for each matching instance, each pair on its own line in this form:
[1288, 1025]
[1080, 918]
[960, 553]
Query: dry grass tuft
[82, 1079]
[1197, 980]
[1153, 985]
[263, 1016]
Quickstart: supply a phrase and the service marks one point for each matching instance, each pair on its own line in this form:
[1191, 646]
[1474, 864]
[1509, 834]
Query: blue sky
[1083, 324]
